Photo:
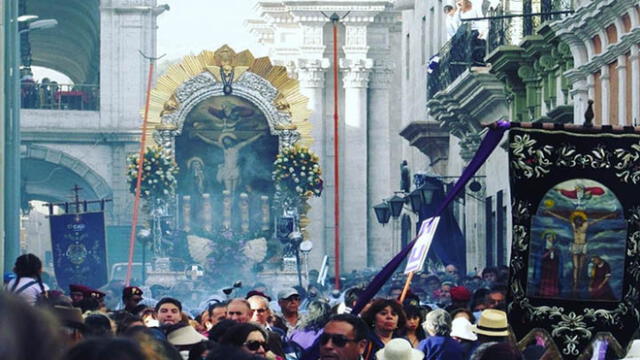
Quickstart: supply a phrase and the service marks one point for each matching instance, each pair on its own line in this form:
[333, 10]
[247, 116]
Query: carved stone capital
[311, 73]
[356, 77]
[381, 78]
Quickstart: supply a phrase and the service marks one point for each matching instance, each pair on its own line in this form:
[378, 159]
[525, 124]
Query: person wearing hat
[86, 297]
[634, 351]
[460, 297]
[289, 301]
[76, 293]
[399, 349]
[492, 326]
[131, 296]
[439, 345]
[462, 332]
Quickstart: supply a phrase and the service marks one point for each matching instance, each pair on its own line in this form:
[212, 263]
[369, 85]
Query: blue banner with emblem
[79, 249]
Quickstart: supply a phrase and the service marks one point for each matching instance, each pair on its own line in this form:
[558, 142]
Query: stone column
[621, 68]
[353, 157]
[353, 146]
[126, 27]
[605, 114]
[380, 167]
[311, 75]
[635, 84]
[580, 95]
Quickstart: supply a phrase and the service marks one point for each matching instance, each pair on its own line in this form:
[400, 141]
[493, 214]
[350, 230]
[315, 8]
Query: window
[489, 221]
[501, 226]
[408, 56]
[423, 40]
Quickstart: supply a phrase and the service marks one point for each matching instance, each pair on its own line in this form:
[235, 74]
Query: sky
[191, 26]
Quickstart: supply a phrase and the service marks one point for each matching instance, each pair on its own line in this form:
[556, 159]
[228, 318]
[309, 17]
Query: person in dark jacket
[440, 345]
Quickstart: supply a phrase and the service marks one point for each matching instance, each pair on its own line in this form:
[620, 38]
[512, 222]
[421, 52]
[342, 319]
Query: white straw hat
[399, 349]
[634, 351]
[462, 328]
[492, 323]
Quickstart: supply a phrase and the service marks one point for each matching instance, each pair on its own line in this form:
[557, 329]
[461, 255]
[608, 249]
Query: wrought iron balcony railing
[54, 96]
[466, 49]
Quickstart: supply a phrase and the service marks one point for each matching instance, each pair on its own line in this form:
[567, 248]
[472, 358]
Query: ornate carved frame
[249, 86]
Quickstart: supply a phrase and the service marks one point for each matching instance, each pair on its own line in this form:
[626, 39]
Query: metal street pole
[11, 190]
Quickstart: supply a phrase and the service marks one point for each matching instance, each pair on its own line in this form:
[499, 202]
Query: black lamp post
[396, 203]
[415, 199]
[427, 190]
[383, 212]
[423, 195]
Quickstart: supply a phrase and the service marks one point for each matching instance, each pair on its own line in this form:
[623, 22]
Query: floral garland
[297, 173]
[158, 174]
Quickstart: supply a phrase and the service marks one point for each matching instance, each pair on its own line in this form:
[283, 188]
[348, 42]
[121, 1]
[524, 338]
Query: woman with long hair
[28, 282]
[384, 317]
[250, 338]
[412, 331]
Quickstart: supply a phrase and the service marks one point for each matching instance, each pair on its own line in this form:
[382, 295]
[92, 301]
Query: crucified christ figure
[580, 224]
[229, 171]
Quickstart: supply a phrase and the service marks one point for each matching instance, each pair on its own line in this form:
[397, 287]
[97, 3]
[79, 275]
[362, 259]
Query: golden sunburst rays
[288, 100]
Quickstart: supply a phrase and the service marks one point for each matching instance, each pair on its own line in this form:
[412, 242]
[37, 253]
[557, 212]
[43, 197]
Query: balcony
[53, 96]
[468, 48]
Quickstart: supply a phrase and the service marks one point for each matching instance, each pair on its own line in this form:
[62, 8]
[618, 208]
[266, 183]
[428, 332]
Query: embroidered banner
[576, 234]
[79, 255]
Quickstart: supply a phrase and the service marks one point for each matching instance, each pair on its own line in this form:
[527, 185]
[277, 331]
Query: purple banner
[489, 143]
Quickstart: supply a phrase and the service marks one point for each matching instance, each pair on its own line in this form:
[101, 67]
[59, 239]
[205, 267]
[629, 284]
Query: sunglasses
[260, 311]
[254, 345]
[336, 339]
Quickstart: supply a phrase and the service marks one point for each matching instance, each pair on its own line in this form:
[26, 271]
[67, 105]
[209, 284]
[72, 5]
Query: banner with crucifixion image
[576, 229]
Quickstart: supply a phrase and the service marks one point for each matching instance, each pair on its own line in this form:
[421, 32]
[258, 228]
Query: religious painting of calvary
[575, 265]
[225, 154]
[578, 238]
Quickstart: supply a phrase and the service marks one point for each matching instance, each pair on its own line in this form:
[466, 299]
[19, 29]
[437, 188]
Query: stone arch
[249, 86]
[97, 185]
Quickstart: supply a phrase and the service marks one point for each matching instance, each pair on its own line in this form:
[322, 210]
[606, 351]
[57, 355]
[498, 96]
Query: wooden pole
[407, 285]
[136, 201]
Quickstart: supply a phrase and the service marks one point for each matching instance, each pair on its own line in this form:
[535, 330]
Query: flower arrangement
[158, 174]
[297, 173]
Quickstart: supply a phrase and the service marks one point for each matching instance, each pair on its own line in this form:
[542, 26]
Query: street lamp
[396, 203]
[383, 212]
[40, 25]
[423, 195]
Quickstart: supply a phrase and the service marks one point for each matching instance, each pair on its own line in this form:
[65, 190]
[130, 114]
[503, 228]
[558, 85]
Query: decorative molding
[311, 74]
[356, 76]
[381, 78]
[249, 86]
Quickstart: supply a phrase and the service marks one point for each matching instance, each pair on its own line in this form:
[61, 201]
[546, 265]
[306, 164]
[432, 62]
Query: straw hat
[462, 328]
[185, 335]
[634, 351]
[492, 323]
[399, 349]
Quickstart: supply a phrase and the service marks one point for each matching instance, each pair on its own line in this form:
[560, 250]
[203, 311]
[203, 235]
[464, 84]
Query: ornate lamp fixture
[383, 212]
[396, 203]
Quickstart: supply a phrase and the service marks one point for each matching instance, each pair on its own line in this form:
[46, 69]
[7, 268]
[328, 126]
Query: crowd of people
[445, 316]
[48, 94]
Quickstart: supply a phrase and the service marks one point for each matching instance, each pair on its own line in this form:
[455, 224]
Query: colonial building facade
[371, 106]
